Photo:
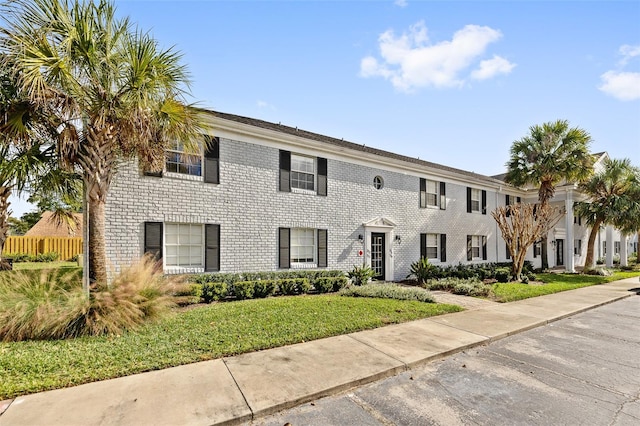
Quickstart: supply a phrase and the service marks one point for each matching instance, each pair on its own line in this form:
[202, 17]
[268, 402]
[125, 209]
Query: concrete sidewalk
[237, 389]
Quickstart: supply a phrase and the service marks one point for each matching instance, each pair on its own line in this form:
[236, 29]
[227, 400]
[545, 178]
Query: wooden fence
[66, 247]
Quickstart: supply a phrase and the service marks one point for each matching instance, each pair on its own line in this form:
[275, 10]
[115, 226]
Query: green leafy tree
[117, 95]
[552, 153]
[613, 198]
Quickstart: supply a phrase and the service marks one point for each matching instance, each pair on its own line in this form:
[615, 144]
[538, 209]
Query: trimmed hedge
[329, 284]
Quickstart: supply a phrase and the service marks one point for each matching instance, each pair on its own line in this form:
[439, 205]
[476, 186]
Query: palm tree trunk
[588, 261]
[98, 163]
[5, 192]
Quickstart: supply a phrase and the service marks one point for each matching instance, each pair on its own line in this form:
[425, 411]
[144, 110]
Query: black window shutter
[322, 176]
[212, 160]
[484, 247]
[423, 245]
[469, 248]
[507, 203]
[443, 247]
[508, 252]
[468, 200]
[284, 258]
[443, 196]
[484, 202]
[423, 193]
[518, 199]
[535, 253]
[285, 171]
[322, 248]
[212, 248]
[153, 239]
[579, 221]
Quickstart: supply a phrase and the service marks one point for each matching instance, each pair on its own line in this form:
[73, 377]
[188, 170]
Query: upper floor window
[476, 200]
[432, 194]
[303, 172]
[178, 161]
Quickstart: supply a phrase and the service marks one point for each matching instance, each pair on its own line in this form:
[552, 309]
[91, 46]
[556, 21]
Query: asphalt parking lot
[584, 369]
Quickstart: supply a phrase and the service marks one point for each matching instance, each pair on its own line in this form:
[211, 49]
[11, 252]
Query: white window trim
[185, 176]
[437, 194]
[315, 175]
[437, 258]
[477, 238]
[179, 269]
[475, 191]
[577, 247]
[304, 265]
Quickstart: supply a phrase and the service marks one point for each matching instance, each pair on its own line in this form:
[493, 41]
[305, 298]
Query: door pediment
[380, 222]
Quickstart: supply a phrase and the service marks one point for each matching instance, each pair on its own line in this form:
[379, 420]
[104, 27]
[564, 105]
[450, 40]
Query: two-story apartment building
[264, 196]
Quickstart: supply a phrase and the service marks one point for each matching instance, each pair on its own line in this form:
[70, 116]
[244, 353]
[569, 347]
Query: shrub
[18, 257]
[329, 284]
[503, 275]
[187, 294]
[243, 289]
[213, 291]
[472, 288]
[422, 270]
[531, 276]
[293, 286]
[51, 304]
[524, 279]
[360, 275]
[388, 291]
[51, 256]
[263, 288]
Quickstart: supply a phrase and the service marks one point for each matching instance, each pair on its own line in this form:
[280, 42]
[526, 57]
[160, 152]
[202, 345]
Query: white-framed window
[476, 245]
[537, 249]
[184, 245]
[177, 161]
[476, 196]
[303, 172]
[433, 246]
[604, 247]
[577, 247]
[432, 193]
[303, 246]
[616, 247]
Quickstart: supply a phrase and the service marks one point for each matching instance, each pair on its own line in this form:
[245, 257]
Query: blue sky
[450, 82]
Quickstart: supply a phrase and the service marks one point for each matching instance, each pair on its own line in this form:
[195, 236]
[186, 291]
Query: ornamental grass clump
[388, 291]
[52, 305]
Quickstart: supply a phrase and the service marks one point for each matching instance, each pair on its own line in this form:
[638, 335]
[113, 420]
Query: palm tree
[552, 153]
[613, 198]
[115, 93]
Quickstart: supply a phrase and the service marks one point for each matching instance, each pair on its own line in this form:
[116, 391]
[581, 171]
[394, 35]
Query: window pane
[432, 252]
[303, 245]
[177, 161]
[183, 244]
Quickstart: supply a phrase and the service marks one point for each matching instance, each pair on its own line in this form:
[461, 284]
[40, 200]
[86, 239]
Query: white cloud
[624, 86]
[410, 61]
[263, 104]
[492, 67]
[627, 51]
[401, 3]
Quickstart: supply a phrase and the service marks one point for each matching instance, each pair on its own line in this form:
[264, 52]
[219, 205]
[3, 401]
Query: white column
[623, 250]
[609, 255]
[569, 259]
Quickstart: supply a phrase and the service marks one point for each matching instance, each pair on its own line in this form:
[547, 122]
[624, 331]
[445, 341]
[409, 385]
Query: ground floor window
[302, 248]
[303, 245]
[616, 247]
[476, 247]
[184, 245]
[577, 247]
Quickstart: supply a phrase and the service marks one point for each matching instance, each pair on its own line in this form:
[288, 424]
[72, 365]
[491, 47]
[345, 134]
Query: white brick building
[269, 197]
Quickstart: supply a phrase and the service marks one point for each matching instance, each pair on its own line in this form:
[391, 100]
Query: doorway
[378, 255]
[559, 252]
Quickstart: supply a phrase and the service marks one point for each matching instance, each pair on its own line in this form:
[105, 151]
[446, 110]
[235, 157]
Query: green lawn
[198, 334]
[553, 283]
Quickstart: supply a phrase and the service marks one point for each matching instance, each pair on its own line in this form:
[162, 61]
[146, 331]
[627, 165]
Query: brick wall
[250, 209]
